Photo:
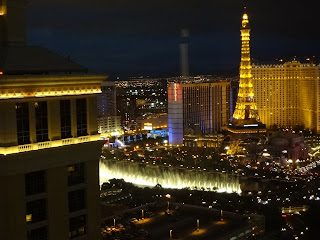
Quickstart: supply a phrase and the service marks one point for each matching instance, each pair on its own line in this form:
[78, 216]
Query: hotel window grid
[81, 106]
[38, 234]
[76, 174]
[77, 200]
[22, 116]
[77, 226]
[41, 121]
[65, 118]
[35, 182]
[36, 211]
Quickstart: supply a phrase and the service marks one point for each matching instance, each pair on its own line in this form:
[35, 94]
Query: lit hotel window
[36, 210]
[28, 217]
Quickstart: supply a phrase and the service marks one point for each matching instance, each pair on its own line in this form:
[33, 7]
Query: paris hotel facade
[288, 94]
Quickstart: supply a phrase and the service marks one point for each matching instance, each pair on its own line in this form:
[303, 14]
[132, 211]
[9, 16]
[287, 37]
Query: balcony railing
[48, 144]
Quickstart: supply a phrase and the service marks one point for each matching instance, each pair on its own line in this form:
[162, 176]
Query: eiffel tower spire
[246, 112]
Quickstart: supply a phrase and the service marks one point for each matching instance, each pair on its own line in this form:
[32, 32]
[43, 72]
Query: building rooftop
[34, 60]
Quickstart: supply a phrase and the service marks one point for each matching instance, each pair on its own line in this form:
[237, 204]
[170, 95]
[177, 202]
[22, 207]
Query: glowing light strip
[48, 93]
[2, 10]
[49, 144]
[175, 92]
[250, 125]
[260, 130]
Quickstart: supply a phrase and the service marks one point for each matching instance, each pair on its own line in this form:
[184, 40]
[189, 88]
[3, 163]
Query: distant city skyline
[126, 39]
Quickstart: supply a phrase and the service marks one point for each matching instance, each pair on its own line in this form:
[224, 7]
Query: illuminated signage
[175, 92]
[147, 126]
[250, 125]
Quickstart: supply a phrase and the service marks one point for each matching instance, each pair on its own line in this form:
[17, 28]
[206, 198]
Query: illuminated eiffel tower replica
[245, 118]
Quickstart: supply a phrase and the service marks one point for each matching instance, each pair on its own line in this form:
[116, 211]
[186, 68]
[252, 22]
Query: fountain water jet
[143, 175]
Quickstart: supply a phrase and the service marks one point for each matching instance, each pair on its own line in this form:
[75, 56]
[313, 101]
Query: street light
[168, 196]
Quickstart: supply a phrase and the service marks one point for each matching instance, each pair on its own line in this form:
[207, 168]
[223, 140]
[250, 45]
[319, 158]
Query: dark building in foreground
[49, 143]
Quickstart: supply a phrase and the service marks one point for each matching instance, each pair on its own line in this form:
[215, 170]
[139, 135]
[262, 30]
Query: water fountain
[143, 175]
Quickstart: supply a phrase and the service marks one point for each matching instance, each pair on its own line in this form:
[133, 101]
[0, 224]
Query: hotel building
[108, 121]
[288, 94]
[49, 141]
[49, 157]
[198, 106]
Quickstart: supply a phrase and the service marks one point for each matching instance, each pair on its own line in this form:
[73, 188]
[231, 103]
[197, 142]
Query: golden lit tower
[245, 117]
[246, 108]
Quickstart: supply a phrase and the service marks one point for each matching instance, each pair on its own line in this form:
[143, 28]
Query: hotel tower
[49, 141]
[288, 94]
[202, 106]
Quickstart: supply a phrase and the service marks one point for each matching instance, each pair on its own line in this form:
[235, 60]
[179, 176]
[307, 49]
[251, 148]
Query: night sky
[141, 37]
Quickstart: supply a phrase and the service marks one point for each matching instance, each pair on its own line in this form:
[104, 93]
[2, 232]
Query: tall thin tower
[184, 60]
[245, 117]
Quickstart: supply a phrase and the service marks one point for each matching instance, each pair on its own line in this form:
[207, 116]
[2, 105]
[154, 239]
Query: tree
[107, 154]
[298, 128]
[147, 155]
[274, 127]
[134, 156]
[119, 154]
[188, 160]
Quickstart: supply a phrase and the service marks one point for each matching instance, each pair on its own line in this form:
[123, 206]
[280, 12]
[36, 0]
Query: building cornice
[16, 87]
